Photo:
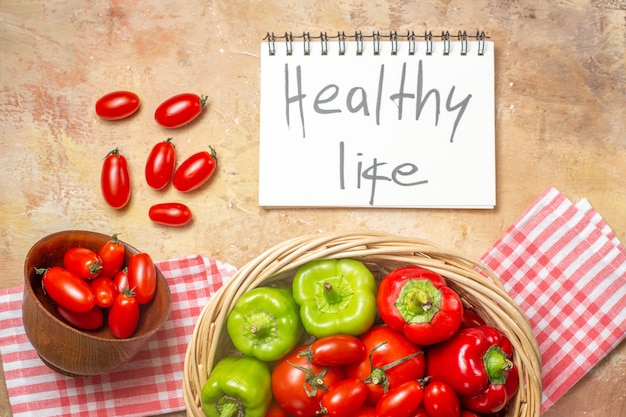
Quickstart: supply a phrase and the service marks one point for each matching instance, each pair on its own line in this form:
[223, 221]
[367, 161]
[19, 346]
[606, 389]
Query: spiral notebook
[377, 120]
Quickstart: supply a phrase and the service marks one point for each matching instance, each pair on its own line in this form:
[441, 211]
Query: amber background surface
[560, 98]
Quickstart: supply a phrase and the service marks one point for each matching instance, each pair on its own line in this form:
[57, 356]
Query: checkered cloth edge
[560, 261]
[149, 384]
[566, 269]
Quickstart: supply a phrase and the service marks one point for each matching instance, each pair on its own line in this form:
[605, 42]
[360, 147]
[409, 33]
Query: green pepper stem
[229, 408]
[331, 294]
[419, 301]
[497, 364]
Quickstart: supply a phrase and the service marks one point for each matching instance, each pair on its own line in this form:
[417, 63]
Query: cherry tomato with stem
[121, 280]
[112, 256]
[67, 289]
[83, 262]
[142, 278]
[401, 401]
[160, 164]
[179, 110]
[170, 214]
[339, 349]
[117, 105]
[104, 291]
[440, 400]
[115, 180]
[124, 315]
[344, 397]
[195, 170]
[91, 320]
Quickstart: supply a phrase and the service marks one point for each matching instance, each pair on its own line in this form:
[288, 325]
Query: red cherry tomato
[104, 291]
[142, 278]
[440, 400]
[91, 320]
[364, 411]
[179, 110]
[117, 105]
[339, 349]
[83, 262]
[275, 411]
[420, 412]
[400, 401]
[124, 315]
[299, 389]
[112, 256]
[170, 214]
[115, 180]
[344, 397]
[160, 164]
[67, 289]
[471, 319]
[121, 280]
[195, 170]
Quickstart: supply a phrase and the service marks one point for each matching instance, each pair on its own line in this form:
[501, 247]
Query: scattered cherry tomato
[160, 164]
[117, 105]
[67, 289]
[142, 278]
[91, 320]
[440, 400]
[339, 349]
[400, 401]
[344, 397]
[121, 280]
[115, 180]
[195, 170]
[124, 315]
[104, 291]
[298, 385]
[83, 262]
[179, 110]
[112, 256]
[170, 214]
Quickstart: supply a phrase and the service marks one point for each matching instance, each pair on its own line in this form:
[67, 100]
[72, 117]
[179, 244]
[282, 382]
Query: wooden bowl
[63, 348]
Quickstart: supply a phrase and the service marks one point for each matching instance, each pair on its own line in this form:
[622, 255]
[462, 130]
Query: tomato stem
[313, 381]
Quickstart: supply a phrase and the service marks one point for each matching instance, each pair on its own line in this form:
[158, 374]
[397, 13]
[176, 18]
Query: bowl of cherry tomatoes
[78, 322]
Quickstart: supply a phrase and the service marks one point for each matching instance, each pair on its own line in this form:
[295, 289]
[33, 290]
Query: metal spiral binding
[375, 37]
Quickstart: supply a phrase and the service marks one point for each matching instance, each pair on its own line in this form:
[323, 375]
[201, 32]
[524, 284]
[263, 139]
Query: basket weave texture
[478, 287]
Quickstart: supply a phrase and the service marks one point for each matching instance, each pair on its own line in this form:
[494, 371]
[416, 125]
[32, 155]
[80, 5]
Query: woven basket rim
[477, 284]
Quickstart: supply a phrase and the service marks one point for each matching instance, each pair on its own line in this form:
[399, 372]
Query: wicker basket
[479, 288]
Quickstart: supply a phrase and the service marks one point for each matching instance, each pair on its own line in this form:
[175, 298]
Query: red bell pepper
[477, 364]
[418, 303]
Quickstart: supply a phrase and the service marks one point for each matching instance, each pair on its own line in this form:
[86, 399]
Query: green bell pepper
[265, 323]
[335, 296]
[237, 387]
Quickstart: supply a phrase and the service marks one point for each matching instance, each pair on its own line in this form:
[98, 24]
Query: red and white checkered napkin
[149, 384]
[566, 269]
